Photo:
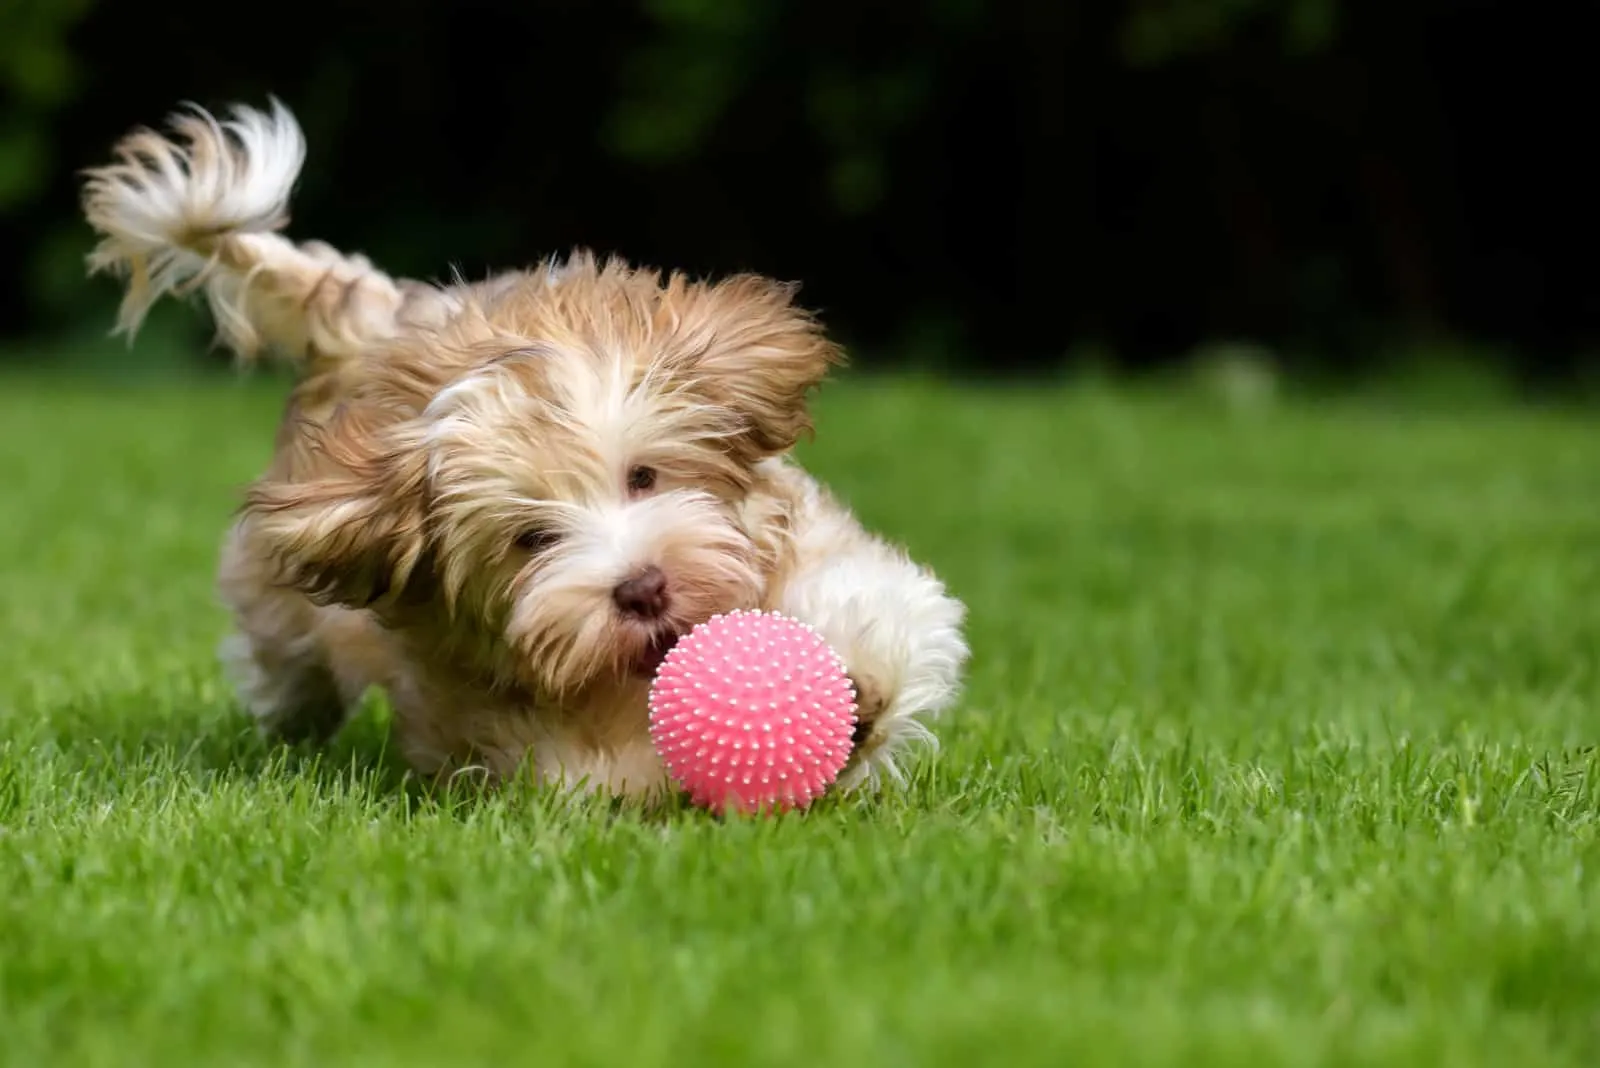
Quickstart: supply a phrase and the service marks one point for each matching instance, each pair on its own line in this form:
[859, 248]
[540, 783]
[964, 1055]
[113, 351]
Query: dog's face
[577, 493]
[586, 512]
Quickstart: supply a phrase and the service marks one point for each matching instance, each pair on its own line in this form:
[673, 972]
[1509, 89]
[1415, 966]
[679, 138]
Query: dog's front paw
[887, 728]
[903, 649]
[899, 634]
[870, 703]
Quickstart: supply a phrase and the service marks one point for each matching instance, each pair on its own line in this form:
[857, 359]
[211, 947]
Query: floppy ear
[345, 522]
[745, 346]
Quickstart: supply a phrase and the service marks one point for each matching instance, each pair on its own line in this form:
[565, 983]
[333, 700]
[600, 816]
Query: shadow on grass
[97, 744]
[90, 748]
[94, 735]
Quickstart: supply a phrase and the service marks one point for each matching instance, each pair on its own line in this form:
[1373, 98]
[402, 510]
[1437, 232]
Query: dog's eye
[537, 539]
[641, 479]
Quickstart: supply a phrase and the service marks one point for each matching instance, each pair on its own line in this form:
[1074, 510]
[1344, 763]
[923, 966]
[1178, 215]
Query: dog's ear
[344, 521]
[743, 345]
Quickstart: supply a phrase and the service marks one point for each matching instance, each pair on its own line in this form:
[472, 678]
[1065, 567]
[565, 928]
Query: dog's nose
[644, 595]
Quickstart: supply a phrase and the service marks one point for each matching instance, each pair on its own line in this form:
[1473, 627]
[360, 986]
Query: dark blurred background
[1004, 185]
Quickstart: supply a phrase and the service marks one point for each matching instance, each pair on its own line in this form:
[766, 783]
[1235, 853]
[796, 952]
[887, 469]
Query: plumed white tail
[167, 206]
[199, 207]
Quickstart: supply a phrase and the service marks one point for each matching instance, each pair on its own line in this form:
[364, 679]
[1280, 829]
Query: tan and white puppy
[501, 502]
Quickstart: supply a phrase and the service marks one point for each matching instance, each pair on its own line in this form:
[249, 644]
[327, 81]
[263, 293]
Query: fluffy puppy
[502, 502]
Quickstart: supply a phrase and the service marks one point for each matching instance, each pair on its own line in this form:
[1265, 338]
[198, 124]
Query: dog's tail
[200, 207]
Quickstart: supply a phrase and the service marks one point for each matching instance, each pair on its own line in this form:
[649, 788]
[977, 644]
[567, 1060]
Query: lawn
[1277, 750]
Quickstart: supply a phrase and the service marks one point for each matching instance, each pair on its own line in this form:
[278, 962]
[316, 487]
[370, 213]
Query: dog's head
[580, 485]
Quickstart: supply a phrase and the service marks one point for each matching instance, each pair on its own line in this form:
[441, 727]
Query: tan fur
[465, 473]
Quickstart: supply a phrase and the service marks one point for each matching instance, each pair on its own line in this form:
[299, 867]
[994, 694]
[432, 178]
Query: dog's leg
[200, 207]
[275, 657]
[891, 620]
[283, 683]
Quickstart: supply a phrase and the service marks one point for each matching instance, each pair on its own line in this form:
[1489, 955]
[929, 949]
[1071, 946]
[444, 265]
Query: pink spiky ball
[753, 709]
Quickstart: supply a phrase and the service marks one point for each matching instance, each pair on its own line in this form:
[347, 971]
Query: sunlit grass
[1277, 750]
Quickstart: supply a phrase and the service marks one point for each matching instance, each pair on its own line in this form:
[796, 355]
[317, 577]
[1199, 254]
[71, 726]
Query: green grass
[1277, 750]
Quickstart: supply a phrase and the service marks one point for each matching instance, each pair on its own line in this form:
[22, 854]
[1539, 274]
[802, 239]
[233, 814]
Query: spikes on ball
[753, 708]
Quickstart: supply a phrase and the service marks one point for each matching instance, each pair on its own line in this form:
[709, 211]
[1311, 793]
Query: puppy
[501, 502]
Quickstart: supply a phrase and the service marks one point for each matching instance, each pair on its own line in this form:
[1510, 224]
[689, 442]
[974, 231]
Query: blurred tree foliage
[38, 74]
[1159, 32]
[991, 182]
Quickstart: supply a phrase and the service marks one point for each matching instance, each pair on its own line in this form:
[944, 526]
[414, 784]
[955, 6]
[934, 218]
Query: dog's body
[501, 502]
